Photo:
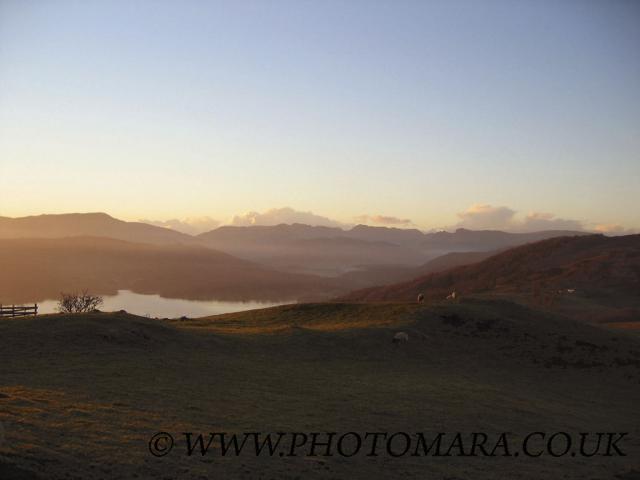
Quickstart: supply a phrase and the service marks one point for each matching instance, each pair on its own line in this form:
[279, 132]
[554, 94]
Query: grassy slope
[82, 394]
[603, 271]
[591, 264]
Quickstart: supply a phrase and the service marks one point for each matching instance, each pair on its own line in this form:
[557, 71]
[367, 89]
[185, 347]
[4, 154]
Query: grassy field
[81, 395]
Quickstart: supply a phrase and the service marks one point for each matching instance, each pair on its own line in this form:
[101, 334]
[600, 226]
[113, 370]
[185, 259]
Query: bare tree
[78, 302]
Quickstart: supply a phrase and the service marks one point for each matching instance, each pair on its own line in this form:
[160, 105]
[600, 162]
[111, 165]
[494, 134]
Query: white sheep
[400, 337]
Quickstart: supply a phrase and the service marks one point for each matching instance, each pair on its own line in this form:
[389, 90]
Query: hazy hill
[485, 240]
[370, 253]
[88, 224]
[384, 275]
[293, 248]
[452, 260]
[303, 248]
[297, 231]
[592, 264]
[276, 233]
[37, 269]
[460, 240]
[103, 225]
[409, 237]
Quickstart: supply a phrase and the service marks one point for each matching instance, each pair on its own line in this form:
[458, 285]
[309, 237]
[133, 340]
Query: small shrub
[78, 302]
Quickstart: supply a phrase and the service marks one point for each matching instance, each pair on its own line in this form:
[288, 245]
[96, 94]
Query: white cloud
[537, 221]
[191, 225]
[276, 216]
[614, 229]
[383, 220]
[488, 217]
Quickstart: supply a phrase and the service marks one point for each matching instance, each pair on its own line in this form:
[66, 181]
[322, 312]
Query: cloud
[547, 221]
[614, 229]
[383, 220]
[276, 216]
[190, 226]
[486, 217]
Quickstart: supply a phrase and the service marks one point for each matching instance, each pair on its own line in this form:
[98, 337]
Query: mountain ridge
[591, 264]
[293, 248]
[98, 224]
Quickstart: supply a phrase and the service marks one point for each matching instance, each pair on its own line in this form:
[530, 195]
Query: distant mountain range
[318, 250]
[463, 240]
[89, 224]
[293, 248]
[43, 255]
[460, 240]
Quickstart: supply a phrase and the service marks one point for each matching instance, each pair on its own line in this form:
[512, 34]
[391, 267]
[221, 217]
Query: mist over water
[157, 306]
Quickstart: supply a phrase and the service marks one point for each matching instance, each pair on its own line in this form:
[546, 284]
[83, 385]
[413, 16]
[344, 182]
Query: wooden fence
[18, 310]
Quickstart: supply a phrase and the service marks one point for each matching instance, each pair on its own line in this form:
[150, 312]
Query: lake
[157, 306]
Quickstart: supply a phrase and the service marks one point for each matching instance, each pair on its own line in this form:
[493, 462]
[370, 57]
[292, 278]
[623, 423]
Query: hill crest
[593, 263]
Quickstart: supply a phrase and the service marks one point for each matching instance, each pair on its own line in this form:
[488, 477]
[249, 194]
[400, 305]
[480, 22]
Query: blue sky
[416, 110]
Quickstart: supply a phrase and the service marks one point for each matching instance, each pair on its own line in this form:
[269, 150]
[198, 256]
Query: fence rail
[18, 310]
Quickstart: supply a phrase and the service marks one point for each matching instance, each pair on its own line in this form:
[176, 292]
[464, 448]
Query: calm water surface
[156, 306]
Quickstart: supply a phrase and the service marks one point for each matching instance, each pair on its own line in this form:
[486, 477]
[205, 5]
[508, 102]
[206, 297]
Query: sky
[426, 114]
